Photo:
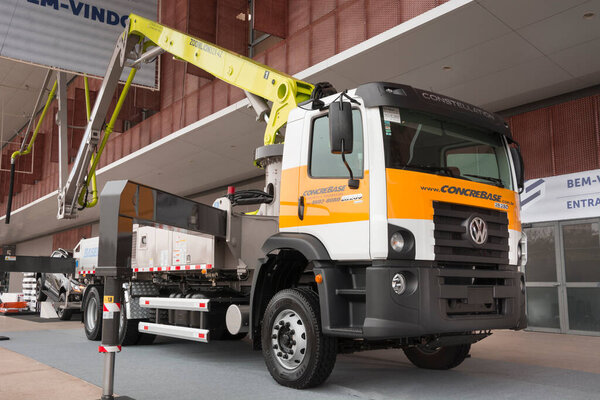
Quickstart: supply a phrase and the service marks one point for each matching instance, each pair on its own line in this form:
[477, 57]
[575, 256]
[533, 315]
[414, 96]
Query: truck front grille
[452, 243]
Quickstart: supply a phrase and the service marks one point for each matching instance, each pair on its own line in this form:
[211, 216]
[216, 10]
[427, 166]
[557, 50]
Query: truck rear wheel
[92, 315]
[296, 352]
[146, 339]
[446, 357]
[128, 330]
[129, 334]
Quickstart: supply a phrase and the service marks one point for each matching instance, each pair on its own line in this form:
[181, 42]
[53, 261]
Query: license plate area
[479, 301]
[480, 295]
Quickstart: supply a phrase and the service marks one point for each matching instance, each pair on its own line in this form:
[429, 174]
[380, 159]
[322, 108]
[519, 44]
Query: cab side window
[323, 164]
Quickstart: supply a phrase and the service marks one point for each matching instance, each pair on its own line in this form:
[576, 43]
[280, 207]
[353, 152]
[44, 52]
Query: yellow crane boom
[142, 41]
[283, 90]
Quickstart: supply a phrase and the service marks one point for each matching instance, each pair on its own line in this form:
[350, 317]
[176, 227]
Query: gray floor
[231, 370]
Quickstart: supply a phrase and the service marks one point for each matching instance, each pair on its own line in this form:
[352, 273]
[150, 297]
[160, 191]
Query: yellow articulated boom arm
[283, 90]
[141, 42]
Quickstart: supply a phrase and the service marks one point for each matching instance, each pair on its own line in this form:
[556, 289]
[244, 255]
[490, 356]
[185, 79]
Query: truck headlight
[401, 243]
[77, 288]
[399, 283]
[397, 242]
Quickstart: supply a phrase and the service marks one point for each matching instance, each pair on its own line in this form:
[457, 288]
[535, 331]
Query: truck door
[327, 207]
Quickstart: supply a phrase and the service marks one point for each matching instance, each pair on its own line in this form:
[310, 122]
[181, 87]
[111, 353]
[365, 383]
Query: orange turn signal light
[319, 278]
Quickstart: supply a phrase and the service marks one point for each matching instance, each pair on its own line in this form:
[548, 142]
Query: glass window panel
[582, 252]
[428, 144]
[542, 307]
[584, 309]
[541, 256]
[323, 164]
[474, 160]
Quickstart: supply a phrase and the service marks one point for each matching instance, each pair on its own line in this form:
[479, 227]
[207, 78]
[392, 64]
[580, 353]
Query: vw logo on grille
[478, 230]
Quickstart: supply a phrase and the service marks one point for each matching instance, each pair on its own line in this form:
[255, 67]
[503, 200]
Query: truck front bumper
[442, 300]
[436, 300]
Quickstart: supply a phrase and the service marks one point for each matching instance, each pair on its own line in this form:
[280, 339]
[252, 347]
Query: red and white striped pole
[111, 317]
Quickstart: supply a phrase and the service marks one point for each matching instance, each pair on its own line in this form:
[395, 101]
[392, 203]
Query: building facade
[560, 138]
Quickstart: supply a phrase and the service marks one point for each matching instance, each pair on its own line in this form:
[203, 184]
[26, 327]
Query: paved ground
[25, 378]
[508, 365]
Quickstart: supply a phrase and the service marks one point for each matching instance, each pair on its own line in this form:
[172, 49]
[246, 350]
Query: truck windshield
[427, 143]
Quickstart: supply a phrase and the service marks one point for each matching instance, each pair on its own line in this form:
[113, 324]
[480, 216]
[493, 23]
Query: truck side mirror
[515, 154]
[341, 134]
[340, 127]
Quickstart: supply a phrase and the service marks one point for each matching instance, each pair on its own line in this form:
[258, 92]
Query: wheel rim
[38, 289]
[61, 302]
[288, 339]
[91, 314]
[122, 321]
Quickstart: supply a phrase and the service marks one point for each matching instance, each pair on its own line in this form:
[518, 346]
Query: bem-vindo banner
[71, 35]
[557, 198]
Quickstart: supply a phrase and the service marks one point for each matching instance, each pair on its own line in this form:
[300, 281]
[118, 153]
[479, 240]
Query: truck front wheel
[446, 357]
[296, 352]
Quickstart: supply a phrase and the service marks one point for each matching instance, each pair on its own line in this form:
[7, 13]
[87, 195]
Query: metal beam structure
[49, 265]
[61, 121]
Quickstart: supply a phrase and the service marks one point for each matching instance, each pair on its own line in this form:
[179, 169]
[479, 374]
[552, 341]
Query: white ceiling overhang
[494, 54]
[20, 85]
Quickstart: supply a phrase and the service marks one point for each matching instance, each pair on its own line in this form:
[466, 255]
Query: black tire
[64, 314]
[128, 330]
[317, 359]
[228, 336]
[92, 314]
[129, 334]
[146, 339]
[40, 296]
[446, 357]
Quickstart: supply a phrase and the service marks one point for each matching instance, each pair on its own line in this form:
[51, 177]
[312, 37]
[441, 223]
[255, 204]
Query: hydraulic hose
[83, 195]
[16, 154]
[96, 157]
[10, 192]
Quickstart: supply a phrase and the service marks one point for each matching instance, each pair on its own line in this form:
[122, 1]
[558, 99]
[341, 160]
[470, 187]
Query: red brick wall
[316, 29]
[68, 239]
[560, 139]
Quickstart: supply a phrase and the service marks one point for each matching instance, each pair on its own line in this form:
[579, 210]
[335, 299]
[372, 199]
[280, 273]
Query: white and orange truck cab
[428, 240]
